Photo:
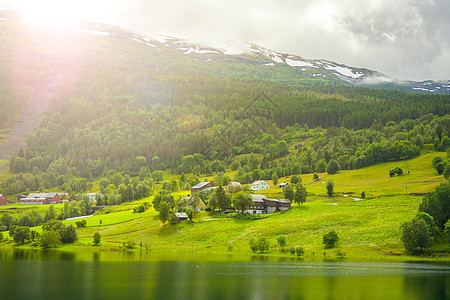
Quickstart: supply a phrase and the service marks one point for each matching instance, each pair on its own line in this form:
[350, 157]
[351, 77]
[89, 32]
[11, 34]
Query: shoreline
[94, 253]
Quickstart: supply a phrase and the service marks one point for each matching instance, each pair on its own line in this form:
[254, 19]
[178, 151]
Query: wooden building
[3, 200]
[201, 186]
[264, 205]
[41, 198]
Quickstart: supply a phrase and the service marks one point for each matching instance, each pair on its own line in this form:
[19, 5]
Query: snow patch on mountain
[95, 32]
[423, 89]
[299, 63]
[198, 50]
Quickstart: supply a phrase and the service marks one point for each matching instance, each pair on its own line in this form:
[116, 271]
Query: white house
[259, 185]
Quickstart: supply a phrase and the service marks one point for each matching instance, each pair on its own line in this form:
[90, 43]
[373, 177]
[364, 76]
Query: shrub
[21, 234]
[436, 160]
[363, 195]
[330, 187]
[190, 214]
[294, 179]
[68, 234]
[173, 219]
[253, 245]
[49, 239]
[281, 240]
[139, 209]
[129, 245]
[292, 250]
[315, 176]
[81, 223]
[330, 239]
[416, 235]
[447, 231]
[340, 254]
[440, 168]
[97, 239]
[261, 244]
[299, 251]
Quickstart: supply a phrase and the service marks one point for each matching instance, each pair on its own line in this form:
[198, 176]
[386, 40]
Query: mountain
[312, 68]
[254, 63]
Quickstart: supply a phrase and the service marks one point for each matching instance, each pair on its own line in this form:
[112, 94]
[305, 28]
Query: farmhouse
[264, 205]
[185, 202]
[234, 186]
[3, 200]
[201, 186]
[283, 184]
[259, 185]
[41, 198]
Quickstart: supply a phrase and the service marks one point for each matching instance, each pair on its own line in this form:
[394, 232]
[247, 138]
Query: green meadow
[368, 228]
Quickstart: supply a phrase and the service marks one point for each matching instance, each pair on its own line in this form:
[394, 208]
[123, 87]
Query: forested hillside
[134, 106]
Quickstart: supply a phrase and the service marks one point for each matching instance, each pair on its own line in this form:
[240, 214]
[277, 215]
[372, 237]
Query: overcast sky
[405, 39]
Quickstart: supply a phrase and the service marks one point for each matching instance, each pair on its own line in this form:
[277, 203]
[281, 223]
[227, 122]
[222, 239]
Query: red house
[3, 200]
[41, 198]
[201, 186]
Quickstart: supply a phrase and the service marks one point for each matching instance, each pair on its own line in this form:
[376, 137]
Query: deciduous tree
[242, 201]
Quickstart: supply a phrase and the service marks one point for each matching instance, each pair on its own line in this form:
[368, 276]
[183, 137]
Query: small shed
[181, 216]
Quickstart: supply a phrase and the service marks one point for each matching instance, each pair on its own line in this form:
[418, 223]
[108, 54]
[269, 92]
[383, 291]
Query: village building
[41, 198]
[201, 186]
[283, 184]
[234, 186]
[259, 185]
[181, 216]
[185, 202]
[3, 200]
[92, 196]
[264, 205]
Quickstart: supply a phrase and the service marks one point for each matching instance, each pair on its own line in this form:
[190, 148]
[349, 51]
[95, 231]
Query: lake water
[35, 274]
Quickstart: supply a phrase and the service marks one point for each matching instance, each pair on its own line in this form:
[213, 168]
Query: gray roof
[258, 198]
[258, 182]
[41, 196]
[262, 198]
[200, 185]
[37, 195]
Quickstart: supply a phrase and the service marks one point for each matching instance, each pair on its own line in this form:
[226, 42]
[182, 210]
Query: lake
[38, 274]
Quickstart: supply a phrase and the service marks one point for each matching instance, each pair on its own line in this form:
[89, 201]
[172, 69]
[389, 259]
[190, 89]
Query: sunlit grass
[367, 228]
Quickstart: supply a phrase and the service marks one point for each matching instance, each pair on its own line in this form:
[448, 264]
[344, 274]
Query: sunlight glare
[52, 13]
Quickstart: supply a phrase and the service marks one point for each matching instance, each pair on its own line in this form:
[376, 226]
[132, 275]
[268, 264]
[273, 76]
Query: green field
[367, 228]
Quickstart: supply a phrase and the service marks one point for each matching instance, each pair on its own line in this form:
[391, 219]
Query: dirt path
[28, 119]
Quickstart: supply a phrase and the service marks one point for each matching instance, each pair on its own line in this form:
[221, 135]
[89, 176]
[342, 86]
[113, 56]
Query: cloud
[406, 39]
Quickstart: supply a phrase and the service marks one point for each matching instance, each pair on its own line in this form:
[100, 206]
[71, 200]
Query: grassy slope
[367, 228]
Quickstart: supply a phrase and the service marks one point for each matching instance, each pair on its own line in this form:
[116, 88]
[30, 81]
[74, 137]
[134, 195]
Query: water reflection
[29, 274]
